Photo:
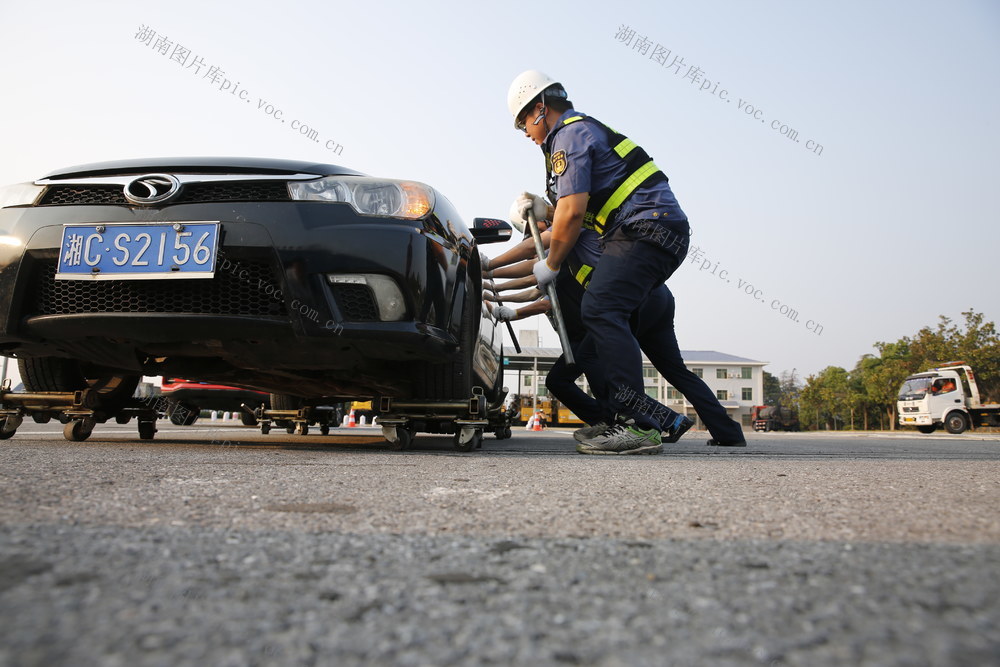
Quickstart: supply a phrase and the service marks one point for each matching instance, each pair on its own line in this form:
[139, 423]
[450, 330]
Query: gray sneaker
[588, 432]
[623, 438]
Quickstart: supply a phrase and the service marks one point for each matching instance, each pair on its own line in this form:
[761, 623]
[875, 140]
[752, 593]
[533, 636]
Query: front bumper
[915, 420]
[270, 313]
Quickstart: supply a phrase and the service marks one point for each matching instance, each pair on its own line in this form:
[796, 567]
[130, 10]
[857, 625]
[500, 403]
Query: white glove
[505, 314]
[484, 261]
[519, 209]
[543, 274]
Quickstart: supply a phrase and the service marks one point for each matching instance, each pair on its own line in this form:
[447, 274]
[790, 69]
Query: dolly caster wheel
[78, 430]
[475, 441]
[147, 430]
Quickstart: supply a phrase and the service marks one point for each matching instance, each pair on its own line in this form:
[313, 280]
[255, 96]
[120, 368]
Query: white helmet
[526, 87]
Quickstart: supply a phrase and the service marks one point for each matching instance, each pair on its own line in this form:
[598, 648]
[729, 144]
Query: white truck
[945, 396]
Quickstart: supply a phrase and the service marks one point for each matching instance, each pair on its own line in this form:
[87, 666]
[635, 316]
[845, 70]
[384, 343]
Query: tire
[927, 428]
[59, 374]
[956, 422]
[247, 418]
[285, 402]
[181, 414]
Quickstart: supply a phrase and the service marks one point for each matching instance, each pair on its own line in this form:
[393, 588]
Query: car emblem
[152, 189]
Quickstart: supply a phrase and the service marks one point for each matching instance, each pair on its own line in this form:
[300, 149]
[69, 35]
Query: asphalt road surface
[215, 545]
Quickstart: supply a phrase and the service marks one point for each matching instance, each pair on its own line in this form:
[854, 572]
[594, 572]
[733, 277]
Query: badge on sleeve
[559, 162]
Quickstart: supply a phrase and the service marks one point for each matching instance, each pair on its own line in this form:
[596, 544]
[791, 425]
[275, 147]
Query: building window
[747, 393]
[746, 373]
[722, 394]
[652, 393]
[720, 373]
[746, 420]
[527, 380]
[700, 372]
[673, 393]
[649, 372]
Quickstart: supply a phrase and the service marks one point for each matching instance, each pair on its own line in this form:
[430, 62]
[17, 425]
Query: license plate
[138, 252]
[909, 419]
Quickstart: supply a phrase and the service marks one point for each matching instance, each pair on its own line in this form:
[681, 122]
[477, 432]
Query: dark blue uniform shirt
[592, 165]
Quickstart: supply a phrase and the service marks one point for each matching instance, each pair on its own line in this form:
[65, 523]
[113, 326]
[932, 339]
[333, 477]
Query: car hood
[203, 165]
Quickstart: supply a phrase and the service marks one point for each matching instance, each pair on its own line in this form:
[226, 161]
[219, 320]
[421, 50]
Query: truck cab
[946, 396]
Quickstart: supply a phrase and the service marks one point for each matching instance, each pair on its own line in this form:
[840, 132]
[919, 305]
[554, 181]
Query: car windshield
[914, 389]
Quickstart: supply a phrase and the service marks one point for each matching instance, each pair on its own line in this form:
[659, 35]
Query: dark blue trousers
[561, 379]
[629, 271]
[654, 329]
[561, 383]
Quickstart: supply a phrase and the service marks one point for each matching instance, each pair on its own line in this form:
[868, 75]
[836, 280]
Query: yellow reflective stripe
[625, 189]
[572, 119]
[589, 222]
[582, 274]
[625, 147]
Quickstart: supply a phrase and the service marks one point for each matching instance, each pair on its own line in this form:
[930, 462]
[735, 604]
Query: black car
[301, 279]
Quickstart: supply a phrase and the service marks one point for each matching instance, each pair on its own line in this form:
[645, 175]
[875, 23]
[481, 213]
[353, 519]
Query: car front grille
[356, 302]
[192, 193]
[225, 294]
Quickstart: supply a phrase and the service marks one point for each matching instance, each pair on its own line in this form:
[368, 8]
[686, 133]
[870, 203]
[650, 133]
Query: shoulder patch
[559, 162]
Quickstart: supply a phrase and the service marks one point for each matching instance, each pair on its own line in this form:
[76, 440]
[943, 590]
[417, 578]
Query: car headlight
[20, 194]
[369, 196]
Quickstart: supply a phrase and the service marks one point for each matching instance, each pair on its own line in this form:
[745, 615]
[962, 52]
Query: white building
[738, 382]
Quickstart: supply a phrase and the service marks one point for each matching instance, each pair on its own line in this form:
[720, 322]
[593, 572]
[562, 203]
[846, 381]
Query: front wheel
[956, 423]
[60, 374]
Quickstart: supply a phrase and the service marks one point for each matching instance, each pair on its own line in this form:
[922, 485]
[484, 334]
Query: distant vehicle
[196, 396]
[363, 409]
[774, 418]
[945, 396]
[553, 412]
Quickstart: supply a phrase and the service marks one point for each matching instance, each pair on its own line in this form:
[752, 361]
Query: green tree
[772, 389]
[790, 388]
[884, 374]
[977, 345]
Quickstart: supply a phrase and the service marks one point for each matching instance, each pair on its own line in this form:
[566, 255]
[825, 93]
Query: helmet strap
[541, 116]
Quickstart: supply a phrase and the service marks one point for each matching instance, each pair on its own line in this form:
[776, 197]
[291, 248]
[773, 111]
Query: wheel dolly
[80, 410]
[466, 419]
[296, 422]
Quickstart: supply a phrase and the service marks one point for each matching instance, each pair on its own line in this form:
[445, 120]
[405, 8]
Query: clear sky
[888, 225]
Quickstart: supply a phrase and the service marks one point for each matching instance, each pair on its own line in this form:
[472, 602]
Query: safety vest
[603, 204]
[581, 272]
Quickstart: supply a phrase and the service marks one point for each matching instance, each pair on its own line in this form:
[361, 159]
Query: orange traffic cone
[350, 420]
[538, 422]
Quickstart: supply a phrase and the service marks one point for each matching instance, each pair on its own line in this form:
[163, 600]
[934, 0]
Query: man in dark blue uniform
[652, 324]
[600, 179]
